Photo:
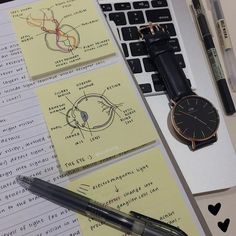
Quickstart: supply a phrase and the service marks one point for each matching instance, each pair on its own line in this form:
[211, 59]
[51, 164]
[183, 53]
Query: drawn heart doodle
[214, 209]
[224, 225]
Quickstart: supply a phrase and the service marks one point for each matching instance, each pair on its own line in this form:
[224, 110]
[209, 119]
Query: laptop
[203, 168]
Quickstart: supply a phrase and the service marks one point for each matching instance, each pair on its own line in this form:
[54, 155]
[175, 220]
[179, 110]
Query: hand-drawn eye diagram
[92, 112]
[58, 37]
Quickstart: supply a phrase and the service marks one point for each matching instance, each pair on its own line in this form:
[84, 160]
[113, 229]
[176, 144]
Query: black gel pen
[132, 224]
[213, 59]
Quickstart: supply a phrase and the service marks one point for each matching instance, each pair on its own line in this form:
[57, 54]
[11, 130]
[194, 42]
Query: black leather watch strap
[204, 143]
[177, 86]
[162, 55]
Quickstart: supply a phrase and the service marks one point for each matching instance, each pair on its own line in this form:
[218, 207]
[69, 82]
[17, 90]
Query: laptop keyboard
[128, 17]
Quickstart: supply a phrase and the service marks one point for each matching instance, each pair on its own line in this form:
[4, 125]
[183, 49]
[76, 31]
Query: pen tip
[24, 181]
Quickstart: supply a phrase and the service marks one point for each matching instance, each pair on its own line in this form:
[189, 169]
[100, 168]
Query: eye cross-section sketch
[95, 116]
[92, 112]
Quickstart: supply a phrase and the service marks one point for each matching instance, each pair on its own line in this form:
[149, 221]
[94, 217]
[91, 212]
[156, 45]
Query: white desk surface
[223, 201]
[223, 221]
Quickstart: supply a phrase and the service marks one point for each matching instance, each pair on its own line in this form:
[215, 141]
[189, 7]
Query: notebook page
[25, 145]
[22, 139]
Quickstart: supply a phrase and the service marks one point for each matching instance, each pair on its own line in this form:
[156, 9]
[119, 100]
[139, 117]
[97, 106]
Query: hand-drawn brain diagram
[91, 112]
[58, 37]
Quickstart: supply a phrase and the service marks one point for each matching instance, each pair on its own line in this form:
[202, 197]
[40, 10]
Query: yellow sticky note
[55, 35]
[142, 183]
[95, 116]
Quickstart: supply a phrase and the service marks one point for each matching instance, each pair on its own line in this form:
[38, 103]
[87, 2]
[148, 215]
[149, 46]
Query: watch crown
[172, 103]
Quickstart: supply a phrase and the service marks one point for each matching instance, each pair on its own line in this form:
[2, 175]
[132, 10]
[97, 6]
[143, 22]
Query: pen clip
[157, 223]
[150, 29]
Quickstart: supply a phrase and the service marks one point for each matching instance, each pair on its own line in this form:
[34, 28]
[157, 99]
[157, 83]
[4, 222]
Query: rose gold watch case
[192, 140]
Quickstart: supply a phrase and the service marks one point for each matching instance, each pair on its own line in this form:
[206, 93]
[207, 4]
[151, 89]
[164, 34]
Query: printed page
[56, 35]
[94, 116]
[141, 183]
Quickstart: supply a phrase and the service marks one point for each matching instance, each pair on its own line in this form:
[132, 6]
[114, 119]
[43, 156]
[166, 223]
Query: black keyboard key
[138, 49]
[158, 83]
[135, 65]
[106, 7]
[148, 65]
[118, 18]
[169, 28]
[130, 33]
[141, 5]
[125, 49]
[180, 60]
[158, 15]
[136, 17]
[122, 6]
[159, 3]
[146, 88]
[175, 44]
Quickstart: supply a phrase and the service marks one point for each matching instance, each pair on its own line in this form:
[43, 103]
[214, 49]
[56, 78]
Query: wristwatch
[193, 118]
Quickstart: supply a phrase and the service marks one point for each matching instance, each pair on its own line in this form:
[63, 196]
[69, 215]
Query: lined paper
[25, 145]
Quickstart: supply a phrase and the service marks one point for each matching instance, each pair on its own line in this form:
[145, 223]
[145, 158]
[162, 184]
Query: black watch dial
[195, 118]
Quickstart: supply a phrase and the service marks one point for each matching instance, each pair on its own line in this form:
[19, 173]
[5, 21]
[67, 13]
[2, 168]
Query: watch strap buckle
[150, 29]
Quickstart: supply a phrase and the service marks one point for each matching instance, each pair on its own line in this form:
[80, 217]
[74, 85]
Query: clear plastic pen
[225, 42]
[133, 224]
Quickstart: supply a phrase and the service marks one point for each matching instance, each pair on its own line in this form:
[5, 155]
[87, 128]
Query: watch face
[195, 118]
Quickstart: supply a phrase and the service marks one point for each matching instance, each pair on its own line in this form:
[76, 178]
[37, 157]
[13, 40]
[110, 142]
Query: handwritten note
[94, 116]
[56, 35]
[142, 183]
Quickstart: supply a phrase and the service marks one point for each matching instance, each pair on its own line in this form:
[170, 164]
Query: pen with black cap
[213, 58]
[133, 223]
